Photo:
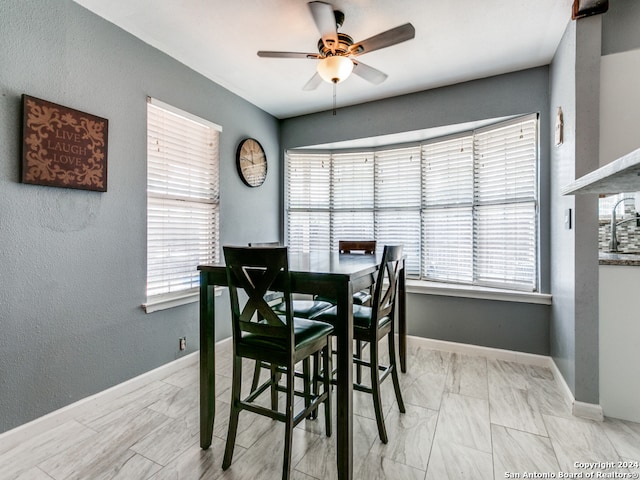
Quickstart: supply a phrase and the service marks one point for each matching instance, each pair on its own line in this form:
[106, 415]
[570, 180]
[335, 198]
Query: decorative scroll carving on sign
[63, 147]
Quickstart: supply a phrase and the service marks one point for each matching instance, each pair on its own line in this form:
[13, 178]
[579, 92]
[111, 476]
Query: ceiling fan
[337, 51]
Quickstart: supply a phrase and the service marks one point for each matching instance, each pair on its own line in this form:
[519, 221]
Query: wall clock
[251, 162]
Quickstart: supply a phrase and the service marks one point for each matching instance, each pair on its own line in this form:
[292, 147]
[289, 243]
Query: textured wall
[73, 263]
[575, 76]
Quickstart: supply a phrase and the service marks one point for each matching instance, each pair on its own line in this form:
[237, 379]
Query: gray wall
[73, 263]
[509, 325]
[620, 32]
[575, 86]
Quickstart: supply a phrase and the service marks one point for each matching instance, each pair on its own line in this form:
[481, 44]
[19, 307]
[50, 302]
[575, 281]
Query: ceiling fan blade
[325, 20]
[385, 39]
[313, 82]
[370, 74]
[269, 54]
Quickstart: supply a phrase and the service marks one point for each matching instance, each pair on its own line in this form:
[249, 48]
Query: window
[182, 202]
[465, 207]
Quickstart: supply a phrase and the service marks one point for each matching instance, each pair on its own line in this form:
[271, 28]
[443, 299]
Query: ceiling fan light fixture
[335, 69]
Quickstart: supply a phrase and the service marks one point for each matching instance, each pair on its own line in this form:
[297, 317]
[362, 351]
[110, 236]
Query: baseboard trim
[589, 411]
[489, 352]
[11, 438]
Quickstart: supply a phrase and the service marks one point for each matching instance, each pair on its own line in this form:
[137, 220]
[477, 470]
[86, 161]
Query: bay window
[464, 207]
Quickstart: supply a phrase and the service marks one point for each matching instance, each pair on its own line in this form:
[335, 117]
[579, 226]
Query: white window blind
[464, 208]
[308, 201]
[397, 202]
[182, 199]
[351, 197]
[447, 217]
[505, 198]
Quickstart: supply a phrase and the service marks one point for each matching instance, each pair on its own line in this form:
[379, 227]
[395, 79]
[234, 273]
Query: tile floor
[468, 417]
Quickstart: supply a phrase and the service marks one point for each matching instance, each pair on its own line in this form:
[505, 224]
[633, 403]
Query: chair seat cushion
[305, 332]
[361, 297]
[304, 308]
[361, 316]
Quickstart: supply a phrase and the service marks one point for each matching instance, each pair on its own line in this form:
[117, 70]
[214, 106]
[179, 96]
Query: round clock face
[251, 162]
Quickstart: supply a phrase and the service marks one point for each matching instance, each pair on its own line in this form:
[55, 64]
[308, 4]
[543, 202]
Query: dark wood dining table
[323, 273]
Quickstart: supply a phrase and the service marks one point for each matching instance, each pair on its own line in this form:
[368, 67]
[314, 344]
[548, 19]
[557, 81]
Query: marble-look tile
[507, 374]
[223, 388]
[421, 360]
[425, 390]
[363, 401]
[549, 398]
[410, 437]
[297, 475]
[321, 461]
[468, 376]
[515, 408]
[106, 452]
[197, 464]
[576, 440]
[179, 403]
[30, 453]
[171, 439]
[625, 437]
[516, 451]
[137, 467]
[263, 460]
[464, 421]
[447, 423]
[375, 467]
[184, 377]
[33, 474]
[126, 405]
[451, 461]
[539, 372]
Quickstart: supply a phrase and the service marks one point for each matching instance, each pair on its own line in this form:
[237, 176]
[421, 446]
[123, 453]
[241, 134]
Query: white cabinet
[619, 332]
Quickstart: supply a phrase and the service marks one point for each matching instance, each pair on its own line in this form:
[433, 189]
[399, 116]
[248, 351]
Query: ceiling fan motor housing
[344, 42]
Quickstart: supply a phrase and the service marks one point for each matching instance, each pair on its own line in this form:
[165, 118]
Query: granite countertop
[628, 259]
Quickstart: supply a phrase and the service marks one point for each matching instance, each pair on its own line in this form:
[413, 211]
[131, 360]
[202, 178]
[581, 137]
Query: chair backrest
[353, 246]
[265, 244]
[386, 286]
[254, 270]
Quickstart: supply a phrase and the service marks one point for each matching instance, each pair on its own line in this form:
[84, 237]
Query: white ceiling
[456, 41]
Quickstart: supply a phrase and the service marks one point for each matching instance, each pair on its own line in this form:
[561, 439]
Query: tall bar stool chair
[362, 297]
[371, 324]
[301, 308]
[282, 341]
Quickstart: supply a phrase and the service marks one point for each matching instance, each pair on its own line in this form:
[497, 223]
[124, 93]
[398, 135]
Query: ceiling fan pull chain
[334, 97]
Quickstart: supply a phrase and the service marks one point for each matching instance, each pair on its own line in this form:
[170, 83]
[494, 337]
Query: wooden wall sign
[62, 147]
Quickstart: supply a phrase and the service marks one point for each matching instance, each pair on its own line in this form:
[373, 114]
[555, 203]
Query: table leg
[207, 361]
[402, 317]
[344, 407]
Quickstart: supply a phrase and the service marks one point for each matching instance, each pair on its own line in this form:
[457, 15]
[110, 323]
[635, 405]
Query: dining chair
[362, 297]
[302, 308]
[367, 247]
[371, 324]
[281, 340]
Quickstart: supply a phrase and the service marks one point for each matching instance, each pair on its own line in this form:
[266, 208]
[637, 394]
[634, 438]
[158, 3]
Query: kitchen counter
[621, 175]
[625, 259]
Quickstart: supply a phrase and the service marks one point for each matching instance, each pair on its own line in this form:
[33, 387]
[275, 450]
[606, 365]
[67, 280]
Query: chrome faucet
[613, 244]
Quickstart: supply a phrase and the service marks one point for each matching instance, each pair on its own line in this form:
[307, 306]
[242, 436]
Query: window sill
[471, 291]
[164, 302]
